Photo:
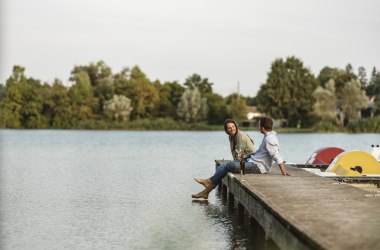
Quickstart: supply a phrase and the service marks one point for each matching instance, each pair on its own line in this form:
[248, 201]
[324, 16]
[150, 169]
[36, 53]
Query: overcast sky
[225, 41]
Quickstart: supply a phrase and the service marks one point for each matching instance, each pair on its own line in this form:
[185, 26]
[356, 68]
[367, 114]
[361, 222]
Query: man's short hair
[266, 122]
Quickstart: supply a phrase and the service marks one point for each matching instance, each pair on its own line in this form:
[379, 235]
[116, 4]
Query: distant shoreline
[203, 129]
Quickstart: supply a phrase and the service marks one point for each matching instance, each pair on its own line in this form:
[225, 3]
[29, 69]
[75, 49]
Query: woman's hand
[241, 156]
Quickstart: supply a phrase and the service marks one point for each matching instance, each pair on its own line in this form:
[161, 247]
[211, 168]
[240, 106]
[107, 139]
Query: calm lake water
[128, 189]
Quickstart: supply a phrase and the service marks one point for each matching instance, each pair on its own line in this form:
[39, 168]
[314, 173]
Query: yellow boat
[354, 163]
[350, 163]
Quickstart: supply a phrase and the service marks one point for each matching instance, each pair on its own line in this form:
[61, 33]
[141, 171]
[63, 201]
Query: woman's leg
[211, 183]
[232, 166]
[221, 171]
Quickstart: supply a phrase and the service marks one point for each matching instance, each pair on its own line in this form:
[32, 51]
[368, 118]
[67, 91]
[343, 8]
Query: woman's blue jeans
[234, 167]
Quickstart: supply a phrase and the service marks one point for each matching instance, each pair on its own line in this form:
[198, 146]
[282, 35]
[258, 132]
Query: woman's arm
[245, 144]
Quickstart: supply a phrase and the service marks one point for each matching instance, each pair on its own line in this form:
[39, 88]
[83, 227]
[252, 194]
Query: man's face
[231, 128]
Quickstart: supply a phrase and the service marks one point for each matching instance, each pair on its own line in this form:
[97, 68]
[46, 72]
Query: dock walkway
[305, 211]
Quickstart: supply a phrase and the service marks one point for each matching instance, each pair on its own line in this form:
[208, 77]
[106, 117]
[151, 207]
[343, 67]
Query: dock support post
[240, 208]
[231, 198]
[224, 191]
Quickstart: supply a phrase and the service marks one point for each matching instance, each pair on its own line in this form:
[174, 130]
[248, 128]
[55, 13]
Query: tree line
[98, 98]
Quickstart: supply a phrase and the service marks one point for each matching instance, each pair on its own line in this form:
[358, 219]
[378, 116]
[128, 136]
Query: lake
[129, 189]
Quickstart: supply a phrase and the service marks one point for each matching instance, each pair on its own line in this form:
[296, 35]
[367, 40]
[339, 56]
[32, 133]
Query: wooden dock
[305, 211]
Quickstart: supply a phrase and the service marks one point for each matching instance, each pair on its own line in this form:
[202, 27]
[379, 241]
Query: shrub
[365, 125]
[326, 126]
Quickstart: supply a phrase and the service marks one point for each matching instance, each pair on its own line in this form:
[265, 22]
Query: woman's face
[231, 128]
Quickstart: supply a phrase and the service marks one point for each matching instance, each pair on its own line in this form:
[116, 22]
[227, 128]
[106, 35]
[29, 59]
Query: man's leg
[251, 168]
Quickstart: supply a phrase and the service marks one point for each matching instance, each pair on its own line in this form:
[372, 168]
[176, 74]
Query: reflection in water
[244, 232]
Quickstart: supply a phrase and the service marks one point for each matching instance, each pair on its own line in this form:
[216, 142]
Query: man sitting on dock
[259, 163]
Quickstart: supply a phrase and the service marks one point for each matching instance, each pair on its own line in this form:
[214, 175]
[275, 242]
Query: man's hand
[283, 170]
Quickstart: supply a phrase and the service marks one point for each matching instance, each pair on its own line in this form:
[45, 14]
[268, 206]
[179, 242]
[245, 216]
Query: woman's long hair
[234, 137]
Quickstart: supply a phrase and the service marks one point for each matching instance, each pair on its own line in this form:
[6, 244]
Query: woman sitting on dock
[240, 142]
[258, 163]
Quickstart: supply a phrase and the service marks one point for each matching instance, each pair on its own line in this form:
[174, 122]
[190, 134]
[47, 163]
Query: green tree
[119, 107]
[251, 101]
[339, 76]
[57, 107]
[143, 94]
[104, 90]
[101, 80]
[349, 69]
[11, 103]
[237, 106]
[169, 94]
[82, 89]
[134, 84]
[326, 101]
[22, 105]
[165, 107]
[373, 88]
[230, 98]
[176, 91]
[217, 108]
[192, 107]
[238, 109]
[202, 84]
[31, 110]
[3, 91]
[287, 93]
[374, 75]
[362, 76]
[122, 82]
[81, 96]
[96, 72]
[353, 99]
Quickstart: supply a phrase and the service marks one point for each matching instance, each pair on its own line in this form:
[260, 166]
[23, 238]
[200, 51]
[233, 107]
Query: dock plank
[305, 211]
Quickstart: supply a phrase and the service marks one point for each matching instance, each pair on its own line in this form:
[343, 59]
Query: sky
[228, 42]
